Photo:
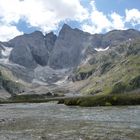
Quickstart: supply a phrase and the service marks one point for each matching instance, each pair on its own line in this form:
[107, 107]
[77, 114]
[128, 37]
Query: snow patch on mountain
[48, 75]
[101, 49]
[60, 82]
[6, 51]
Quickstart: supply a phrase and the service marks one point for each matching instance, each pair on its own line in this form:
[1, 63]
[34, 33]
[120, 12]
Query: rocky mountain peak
[50, 54]
[36, 33]
[68, 47]
[65, 27]
[50, 34]
[50, 39]
[66, 50]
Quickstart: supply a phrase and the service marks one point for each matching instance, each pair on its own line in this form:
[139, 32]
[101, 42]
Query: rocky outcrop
[10, 86]
[22, 55]
[65, 51]
[50, 39]
[32, 49]
[68, 48]
[50, 58]
[116, 37]
[1, 48]
[72, 45]
[80, 76]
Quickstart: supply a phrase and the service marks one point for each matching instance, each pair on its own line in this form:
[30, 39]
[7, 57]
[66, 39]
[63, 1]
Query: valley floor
[84, 101]
[50, 121]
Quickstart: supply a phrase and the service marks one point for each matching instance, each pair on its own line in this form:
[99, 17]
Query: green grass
[121, 64]
[123, 72]
[84, 72]
[32, 98]
[85, 69]
[103, 100]
[85, 101]
[9, 85]
[28, 99]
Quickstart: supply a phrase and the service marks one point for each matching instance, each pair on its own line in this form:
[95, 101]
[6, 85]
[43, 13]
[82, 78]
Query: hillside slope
[9, 85]
[115, 70]
[76, 61]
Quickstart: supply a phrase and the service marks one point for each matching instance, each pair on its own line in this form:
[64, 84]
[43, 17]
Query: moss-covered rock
[111, 71]
[9, 85]
[104, 100]
[135, 82]
[83, 73]
[119, 87]
[105, 67]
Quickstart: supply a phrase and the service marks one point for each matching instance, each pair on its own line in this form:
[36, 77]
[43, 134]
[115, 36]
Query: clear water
[50, 121]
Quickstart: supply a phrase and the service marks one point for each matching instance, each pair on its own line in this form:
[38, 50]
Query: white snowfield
[6, 51]
[101, 49]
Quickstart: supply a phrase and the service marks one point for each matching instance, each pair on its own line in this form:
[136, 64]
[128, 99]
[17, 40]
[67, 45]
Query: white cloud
[46, 15]
[10, 11]
[133, 16]
[8, 31]
[99, 22]
[43, 14]
[117, 21]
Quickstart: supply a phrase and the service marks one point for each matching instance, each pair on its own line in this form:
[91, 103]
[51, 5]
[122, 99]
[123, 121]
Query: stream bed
[51, 121]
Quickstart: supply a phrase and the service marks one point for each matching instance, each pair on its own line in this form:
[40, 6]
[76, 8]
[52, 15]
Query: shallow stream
[51, 121]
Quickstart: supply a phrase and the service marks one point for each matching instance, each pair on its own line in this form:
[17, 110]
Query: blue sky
[94, 16]
[118, 6]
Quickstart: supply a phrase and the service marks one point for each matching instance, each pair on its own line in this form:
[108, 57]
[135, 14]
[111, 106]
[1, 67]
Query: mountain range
[72, 61]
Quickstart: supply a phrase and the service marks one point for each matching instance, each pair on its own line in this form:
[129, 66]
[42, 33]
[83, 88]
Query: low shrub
[119, 87]
[134, 83]
[104, 100]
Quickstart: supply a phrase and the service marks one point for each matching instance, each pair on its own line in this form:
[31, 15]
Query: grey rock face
[115, 37]
[1, 48]
[21, 54]
[32, 49]
[53, 54]
[68, 48]
[65, 51]
[50, 39]
[49, 75]
[73, 45]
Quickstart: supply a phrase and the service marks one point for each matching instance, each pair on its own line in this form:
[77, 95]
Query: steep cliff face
[32, 49]
[50, 39]
[36, 55]
[8, 83]
[73, 45]
[68, 48]
[116, 70]
[115, 37]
